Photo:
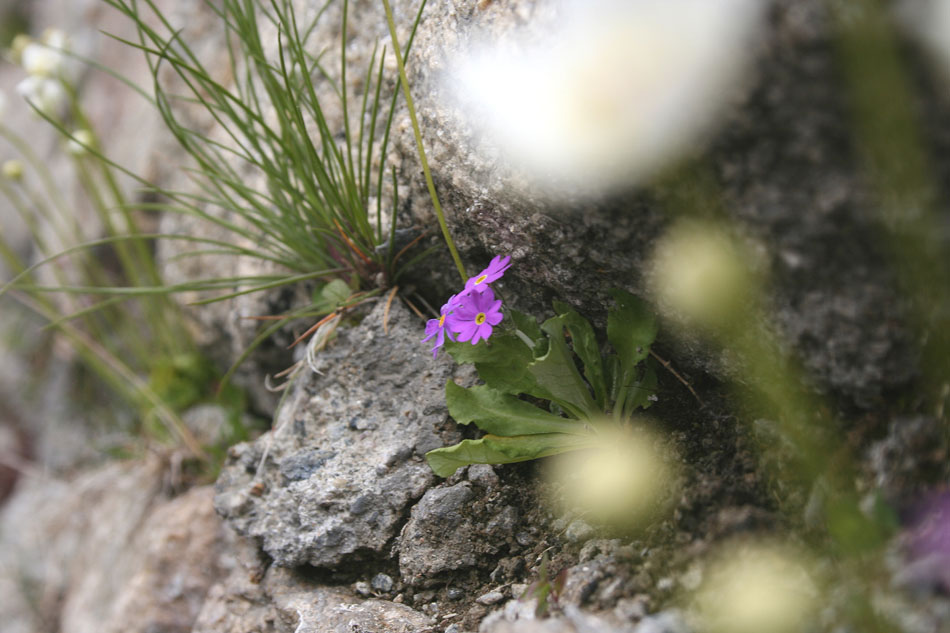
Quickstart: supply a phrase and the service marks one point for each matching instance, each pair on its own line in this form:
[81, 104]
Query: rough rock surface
[345, 461]
[107, 552]
[514, 618]
[452, 528]
[308, 608]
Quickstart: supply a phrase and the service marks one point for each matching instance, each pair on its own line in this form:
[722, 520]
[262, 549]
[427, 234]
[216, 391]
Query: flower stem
[524, 338]
[418, 134]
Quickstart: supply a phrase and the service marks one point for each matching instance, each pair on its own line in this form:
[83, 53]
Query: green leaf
[612, 376]
[631, 328]
[503, 414]
[529, 326]
[501, 362]
[494, 350]
[492, 449]
[640, 392]
[585, 346]
[557, 377]
[336, 292]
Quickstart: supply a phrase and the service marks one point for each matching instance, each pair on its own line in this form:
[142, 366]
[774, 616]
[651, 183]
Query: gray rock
[579, 531]
[483, 475]
[107, 552]
[492, 597]
[438, 536]
[332, 491]
[305, 607]
[382, 582]
[912, 452]
[671, 621]
[574, 620]
[238, 602]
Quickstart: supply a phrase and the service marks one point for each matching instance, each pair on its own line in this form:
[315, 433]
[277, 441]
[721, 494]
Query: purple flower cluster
[471, 314]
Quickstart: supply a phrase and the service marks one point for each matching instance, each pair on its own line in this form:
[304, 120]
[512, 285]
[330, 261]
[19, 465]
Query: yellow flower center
[480, 318]
[441, 320]
[480, 279]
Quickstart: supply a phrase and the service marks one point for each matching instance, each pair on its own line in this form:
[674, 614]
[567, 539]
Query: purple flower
[927, 540]
[496, 268]
[437, 327]
[474, 318]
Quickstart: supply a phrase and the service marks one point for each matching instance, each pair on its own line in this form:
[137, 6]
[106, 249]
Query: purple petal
[432, 328]
[467, 332]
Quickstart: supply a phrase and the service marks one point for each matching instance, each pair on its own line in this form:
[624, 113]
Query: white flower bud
[20, 42]
[40, 60]
[56, 38]
[80, 142]
[12, 169]
[45, 94]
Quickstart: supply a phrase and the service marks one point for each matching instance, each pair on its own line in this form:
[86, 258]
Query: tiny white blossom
[20, 42]
[12, 169]
[48, 58]
[45, 94]
[40, 60]
[80, 142]
[56, 38]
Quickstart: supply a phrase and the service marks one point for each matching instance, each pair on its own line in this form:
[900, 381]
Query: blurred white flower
[20, 42]
[616, 90]
[48, 58]
[56, 38]
[702, 276]
[80, 142]
[45, 94]
[754, 588]
[12, 169]
[620, 481]
[41, 61]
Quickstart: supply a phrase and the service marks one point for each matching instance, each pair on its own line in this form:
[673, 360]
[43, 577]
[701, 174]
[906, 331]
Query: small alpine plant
[471, 314]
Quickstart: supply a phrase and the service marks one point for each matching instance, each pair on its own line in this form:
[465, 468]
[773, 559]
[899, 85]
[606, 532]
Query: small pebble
[382, 582]
[632, 609]
[578, 531]
[665, 584]
[524, 539]
[483, 475]
[452, 628]
[492, 597]
[422, 597]
[362, 587]
[454, 593]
